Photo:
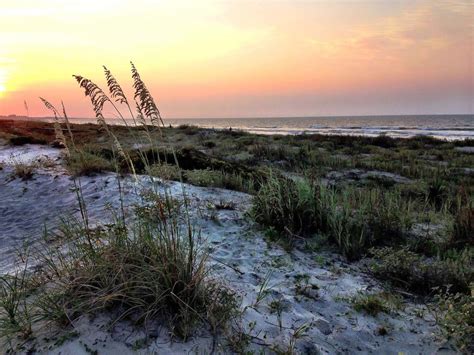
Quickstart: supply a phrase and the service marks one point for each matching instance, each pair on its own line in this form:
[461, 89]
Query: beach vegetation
[354, 219]
[23, 170]
[455, 314]
[147, 267]
[87, 162]
[421, 274]
[375, 303]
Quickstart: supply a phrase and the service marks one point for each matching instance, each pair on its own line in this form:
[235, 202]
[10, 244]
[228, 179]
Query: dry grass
[23, 171]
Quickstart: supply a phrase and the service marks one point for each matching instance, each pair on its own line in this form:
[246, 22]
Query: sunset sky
[240, 58]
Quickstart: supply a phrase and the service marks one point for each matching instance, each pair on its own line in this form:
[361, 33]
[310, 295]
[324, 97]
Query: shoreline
[283, 126]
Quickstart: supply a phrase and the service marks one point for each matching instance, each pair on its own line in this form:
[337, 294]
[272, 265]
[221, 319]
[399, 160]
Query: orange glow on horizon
[238, 58]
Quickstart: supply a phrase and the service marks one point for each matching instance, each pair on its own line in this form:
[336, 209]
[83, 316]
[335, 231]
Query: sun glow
[238, 58]
[3, 79]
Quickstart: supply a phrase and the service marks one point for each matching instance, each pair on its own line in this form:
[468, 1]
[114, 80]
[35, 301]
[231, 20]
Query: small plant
[264, 289]
[376, 303]
[297, 334]
[82, 162]
[278, 307]
[22, 170]
[463, 227]
[285, 206]
[455, 314]
[225, 205]
[436, 191]
[156, 207]
[165, 171]
[421, 274]
[15, 315]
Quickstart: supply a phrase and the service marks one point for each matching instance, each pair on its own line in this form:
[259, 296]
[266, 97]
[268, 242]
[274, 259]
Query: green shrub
[455, 315]
[355, 219]
[360, 218]
[14, 311]
[463, 226]
[284, 205]
[420, 274]
[376, 303]
[145, 272]
[437, 191]
[214, 178]
[165, 171]
[346, 225]
[82, 162]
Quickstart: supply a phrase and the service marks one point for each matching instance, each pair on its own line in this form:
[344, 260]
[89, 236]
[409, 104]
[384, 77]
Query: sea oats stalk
[98, 99]
[117, 93]
[58, 132]
[68, 125]
[147, 104]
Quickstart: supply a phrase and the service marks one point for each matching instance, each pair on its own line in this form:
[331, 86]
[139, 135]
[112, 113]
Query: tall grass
[15, 319]
[353, 218]
[285, 205]
[145, 272]
[463, 226]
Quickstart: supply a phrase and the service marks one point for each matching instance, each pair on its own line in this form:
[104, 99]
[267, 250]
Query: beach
[299, 294]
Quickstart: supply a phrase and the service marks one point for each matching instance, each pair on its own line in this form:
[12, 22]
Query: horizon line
[252, 117]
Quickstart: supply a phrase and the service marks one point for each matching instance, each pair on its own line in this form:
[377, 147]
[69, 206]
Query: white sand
[235, 241]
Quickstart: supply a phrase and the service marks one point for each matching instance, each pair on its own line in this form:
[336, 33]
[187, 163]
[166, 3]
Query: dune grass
[375, 303]
[354, 219]
[144, 272]
[23, 171]
[83, 162]
[145, 267]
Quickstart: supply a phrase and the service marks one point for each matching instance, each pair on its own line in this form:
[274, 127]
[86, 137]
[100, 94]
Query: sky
[242, 58]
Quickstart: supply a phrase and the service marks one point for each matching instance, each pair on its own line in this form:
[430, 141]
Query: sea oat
[146, 103]
[58, 132]
[96, 94]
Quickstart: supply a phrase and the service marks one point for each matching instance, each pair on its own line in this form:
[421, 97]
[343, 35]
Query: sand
[240, 256]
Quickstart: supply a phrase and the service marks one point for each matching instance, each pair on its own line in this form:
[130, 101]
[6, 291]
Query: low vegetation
[83, 162]
[354, 219]
[455, 314]
[421, 274]
[23, 170]
[143, 272]
[375, 303]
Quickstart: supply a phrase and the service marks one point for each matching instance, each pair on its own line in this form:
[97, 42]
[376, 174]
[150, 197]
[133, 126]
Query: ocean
[448, 127]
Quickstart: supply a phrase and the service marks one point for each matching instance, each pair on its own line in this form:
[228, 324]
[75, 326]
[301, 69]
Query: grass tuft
[23, 171]
[376, 303]
[82, 162]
